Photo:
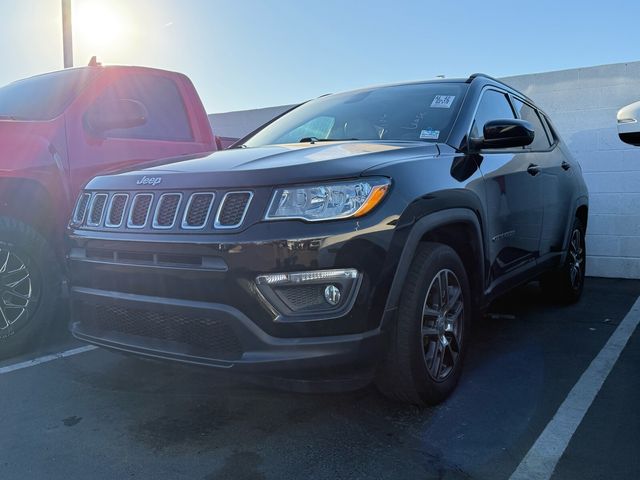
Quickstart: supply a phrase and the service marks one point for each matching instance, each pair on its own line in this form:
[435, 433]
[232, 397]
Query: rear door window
[167, 116]
[548, 128]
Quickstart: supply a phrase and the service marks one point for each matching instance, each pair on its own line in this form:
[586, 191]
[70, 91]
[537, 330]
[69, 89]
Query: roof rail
[484, 75]
[476, 75]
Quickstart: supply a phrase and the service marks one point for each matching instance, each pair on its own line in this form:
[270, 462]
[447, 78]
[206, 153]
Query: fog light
[313, 276]
[314, 292]
[332, 295]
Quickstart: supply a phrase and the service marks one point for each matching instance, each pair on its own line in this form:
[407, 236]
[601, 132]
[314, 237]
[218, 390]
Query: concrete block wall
[582, 104]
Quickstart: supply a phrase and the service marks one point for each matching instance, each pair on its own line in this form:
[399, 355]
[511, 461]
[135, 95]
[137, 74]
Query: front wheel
[29, 284]
[427, 348]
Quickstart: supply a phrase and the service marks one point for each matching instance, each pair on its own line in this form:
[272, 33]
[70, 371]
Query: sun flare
[99, 27]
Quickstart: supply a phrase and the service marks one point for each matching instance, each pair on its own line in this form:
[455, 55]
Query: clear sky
[245, 54]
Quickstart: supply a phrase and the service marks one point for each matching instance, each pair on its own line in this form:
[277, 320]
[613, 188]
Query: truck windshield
[42, 97]
[413, 112]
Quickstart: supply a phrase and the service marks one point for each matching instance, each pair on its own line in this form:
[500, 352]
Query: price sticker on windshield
[442, 101]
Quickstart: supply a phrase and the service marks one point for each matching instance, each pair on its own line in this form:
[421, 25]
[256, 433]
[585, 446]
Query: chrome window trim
[184, 224]
[154, 223]
[216, 223]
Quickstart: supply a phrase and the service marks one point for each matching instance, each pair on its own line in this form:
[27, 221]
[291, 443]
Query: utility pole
[67, 42]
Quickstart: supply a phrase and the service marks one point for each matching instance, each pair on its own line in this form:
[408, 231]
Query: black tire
[36, 295]
[407, 374]
[565, 284]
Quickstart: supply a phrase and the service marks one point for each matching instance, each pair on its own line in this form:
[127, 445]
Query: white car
[628, 125]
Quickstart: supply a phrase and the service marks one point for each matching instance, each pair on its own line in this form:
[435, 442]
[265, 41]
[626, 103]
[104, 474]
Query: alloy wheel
[442, 324]
[16, 290]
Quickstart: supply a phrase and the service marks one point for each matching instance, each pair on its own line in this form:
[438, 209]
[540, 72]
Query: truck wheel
[427, 345]
[29, 285]
[566, 284]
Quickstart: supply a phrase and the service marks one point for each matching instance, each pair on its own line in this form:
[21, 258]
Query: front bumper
[195, 299]
[216, 335]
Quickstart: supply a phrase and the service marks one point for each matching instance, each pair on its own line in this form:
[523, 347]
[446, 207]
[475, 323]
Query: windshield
[422, 112]
[42, 97]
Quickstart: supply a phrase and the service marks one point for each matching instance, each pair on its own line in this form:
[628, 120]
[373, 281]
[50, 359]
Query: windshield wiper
[316, 139]
[8, 117]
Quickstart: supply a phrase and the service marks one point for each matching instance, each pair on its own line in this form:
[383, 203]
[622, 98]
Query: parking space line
[46, 358]
[541, 460]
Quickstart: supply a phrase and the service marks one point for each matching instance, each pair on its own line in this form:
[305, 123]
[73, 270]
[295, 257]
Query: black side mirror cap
[504, 133]
[112, 114]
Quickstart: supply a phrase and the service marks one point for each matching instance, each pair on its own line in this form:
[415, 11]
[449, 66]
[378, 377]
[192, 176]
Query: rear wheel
[427, 347]
[566, 283]
[29, 284]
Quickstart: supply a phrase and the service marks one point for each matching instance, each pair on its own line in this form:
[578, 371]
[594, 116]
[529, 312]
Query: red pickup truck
[57, 131]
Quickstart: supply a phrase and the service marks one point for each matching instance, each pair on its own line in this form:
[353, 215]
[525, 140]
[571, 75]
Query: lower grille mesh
[298, 298]
[213, 335]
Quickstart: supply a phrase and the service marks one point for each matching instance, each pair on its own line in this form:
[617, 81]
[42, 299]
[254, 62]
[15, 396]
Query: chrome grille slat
[167, 210]
[116, 210]
[139, 211]
[96, 210]
[81, 208]
[204, 211]
[198, 210]
[233, 208]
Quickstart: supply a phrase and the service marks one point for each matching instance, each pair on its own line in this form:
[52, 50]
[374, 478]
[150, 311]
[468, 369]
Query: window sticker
[442, 101]
[429, 134]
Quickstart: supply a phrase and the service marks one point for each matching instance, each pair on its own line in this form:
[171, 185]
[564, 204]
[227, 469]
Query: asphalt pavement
[102, 415]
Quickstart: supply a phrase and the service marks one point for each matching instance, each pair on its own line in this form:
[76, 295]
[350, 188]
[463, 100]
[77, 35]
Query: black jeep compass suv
[352, 239]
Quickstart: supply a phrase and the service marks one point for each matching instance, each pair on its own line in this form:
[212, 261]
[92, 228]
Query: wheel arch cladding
[582, 213]
[458, 228]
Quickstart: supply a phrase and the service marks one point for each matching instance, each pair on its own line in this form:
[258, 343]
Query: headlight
[329, 201]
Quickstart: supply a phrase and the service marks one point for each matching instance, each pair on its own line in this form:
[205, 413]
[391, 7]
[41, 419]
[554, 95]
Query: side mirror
[112, 114]
[506, 133]
[628, 124]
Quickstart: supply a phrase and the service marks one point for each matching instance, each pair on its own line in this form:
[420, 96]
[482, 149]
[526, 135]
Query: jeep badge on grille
[149, 181]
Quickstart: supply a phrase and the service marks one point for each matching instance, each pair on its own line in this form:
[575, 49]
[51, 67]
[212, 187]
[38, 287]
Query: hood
[270, 165]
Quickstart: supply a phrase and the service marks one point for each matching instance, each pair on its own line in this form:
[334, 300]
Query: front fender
[32, 156]
[415, 234]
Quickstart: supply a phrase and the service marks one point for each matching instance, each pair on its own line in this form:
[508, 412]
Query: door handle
[565, 165]
[533, 169]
